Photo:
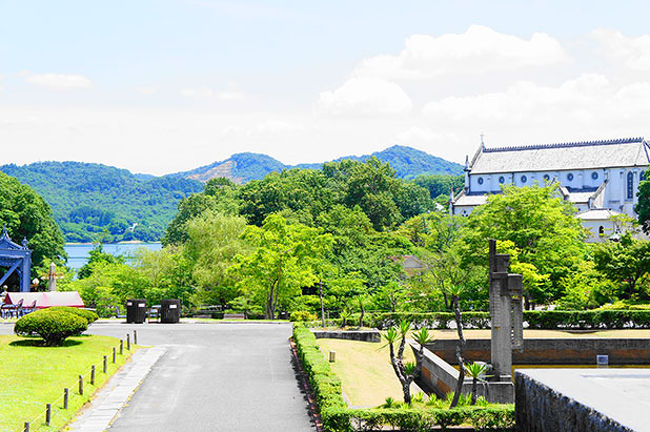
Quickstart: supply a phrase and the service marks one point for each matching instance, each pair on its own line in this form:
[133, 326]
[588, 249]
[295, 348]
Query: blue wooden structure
[18, 258]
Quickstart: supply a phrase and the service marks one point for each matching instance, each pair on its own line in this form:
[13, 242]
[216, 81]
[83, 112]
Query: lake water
[78, 253]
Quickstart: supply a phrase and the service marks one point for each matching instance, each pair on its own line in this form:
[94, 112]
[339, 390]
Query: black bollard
[113, 355]
[81, 384]
[105, 364]
[128, 342]
[65, 398]
[135, 337]
[26, 429]
[121, 347]
[92, 375]
[48, 414]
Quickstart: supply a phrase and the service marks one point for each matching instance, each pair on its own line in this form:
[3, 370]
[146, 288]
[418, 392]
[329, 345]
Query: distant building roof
[469, 200]
[597, 214]
[624, 152]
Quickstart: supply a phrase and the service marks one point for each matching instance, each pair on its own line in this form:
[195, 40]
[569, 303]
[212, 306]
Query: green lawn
[365, 370]
[33, 375]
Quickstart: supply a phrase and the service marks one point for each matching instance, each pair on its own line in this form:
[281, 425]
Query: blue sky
[162, 86]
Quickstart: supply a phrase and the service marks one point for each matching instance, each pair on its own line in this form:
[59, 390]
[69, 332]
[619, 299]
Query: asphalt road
[215, 377]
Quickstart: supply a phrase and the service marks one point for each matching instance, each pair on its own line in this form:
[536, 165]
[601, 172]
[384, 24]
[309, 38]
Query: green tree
[628, 262]
[213, 240]
[282, 262]
[540, 227]
[27, 215]
[406, 372]
[95, 256]
[643, 206]
[220, 195]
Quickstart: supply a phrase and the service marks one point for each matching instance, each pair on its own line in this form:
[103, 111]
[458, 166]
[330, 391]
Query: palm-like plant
[406, 372]
[476, 371]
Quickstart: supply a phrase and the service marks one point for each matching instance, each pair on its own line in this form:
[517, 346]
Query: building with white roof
[594, 175]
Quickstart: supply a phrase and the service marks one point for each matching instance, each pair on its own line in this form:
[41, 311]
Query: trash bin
[136, 311]
[170, 311]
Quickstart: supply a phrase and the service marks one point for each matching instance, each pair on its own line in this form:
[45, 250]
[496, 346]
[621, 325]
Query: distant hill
[89, 199]
[243, 167]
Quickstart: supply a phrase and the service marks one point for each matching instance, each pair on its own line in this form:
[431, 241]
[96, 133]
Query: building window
[570, 177]
[547, 177]
[524, 179]
[601, 231]
[594, 175]
[502, 180]
[630, 186]
[480, 180]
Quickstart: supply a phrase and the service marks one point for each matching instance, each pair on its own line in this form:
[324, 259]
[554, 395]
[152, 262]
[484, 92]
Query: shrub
[337, 417]
[302, 316]
[88, 315]
[54, 326]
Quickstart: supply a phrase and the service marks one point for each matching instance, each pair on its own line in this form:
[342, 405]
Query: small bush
[54, 326]
[302, 316]
[88, 315]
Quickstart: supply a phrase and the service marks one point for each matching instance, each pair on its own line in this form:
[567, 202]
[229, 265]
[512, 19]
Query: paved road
[215, 377]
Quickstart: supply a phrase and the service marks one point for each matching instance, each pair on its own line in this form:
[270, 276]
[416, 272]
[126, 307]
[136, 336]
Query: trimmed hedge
[550, 320]
[88, 315]
[54, 326]
[337, 417]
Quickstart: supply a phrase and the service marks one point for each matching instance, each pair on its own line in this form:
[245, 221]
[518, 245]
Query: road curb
[108, 402]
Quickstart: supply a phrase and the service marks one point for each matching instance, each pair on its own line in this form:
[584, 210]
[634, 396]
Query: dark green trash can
[170, 311]
[136, 311]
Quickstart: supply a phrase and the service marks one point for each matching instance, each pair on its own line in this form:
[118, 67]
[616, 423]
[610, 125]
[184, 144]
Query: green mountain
[243, 167]
[92, 200]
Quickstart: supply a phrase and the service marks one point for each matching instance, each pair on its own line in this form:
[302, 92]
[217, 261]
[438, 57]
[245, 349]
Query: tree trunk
[406, 388]
[322, 309]
[361, 316]
[460, 348]
[474, 390]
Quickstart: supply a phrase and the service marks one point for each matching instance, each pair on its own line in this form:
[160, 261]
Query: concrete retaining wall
[440, 377]
[574, 351]
[540, 408]
[358, 335]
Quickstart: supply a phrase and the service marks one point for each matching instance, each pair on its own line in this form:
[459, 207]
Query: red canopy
[46, 299]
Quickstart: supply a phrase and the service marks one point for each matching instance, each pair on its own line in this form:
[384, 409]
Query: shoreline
[130, 242]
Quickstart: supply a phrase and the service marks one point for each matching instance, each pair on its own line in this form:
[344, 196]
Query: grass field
[32, 375]
[365, 371]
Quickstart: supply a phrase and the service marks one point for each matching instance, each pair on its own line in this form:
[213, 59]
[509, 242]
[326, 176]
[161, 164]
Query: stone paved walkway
[116, 393]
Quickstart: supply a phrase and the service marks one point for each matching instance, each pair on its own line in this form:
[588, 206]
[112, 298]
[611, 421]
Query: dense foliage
[27, 216]
[94, 202]
[643, 206]
[52, 325]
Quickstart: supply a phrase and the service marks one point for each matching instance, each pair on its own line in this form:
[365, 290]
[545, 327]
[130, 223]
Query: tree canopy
[27, 215]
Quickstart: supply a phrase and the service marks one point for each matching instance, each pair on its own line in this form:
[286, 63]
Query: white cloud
[634, 52]
[366, 97]
[581, 99]
[230, 93]
[147, 90]
[59, 81]
[197, 93]
[480, 49]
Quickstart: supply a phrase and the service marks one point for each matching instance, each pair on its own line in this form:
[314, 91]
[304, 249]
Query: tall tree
[539, 225]
[282, 261]
[643, 206]
[27, 215]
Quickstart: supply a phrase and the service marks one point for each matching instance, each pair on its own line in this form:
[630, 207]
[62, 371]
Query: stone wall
[358, 335]
[440, 377]
[560, 351]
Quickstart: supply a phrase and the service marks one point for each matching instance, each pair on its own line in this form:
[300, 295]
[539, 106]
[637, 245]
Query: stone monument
[506, 313]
